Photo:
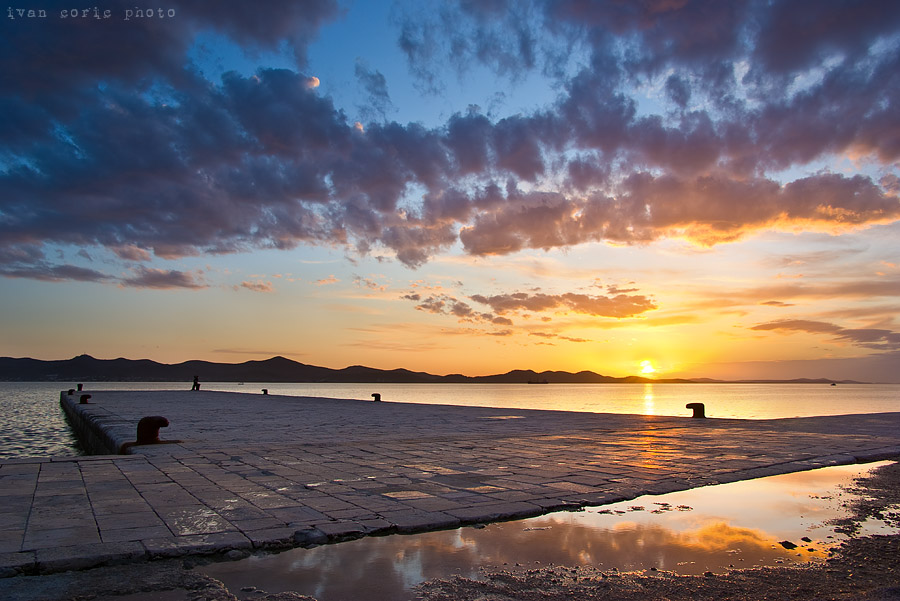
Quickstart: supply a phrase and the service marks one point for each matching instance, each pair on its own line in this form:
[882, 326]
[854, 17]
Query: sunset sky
[658, 187]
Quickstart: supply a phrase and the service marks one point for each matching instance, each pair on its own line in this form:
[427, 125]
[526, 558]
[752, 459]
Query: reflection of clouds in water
[727, 526]
[719, 536]
[623, 544]
[410, 567]
[385, 567]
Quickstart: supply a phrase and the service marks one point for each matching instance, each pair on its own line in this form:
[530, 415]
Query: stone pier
[256, 471]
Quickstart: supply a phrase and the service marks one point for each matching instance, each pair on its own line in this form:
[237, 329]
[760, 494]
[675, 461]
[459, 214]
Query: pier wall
[92, 427]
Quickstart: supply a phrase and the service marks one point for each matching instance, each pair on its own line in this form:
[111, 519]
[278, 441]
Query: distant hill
[85, 368]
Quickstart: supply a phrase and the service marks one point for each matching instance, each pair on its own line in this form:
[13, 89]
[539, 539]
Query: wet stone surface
[250, 471]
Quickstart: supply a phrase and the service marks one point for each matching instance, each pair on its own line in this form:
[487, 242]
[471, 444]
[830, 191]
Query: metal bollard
[698, 409]
[265, 391]
[376, 396]
[80, 387]
[71, 391]
[83, 400]
[148, 433]
[148, 429]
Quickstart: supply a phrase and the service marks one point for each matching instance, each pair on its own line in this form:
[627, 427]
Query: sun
[647, 367]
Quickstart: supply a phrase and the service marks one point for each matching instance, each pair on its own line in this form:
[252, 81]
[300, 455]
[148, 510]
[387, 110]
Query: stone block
[118, 521]
[80, 557]
[176, 546]
[878, 454]
[297, 515]
[13, 564]
[271, 537]
[59, 537]
[341, 530]
[412, 521]
[193, 519]
[11, 540]
[376, 526]
[497, 511]
[259, 524]
[134, 534]
[309, 536]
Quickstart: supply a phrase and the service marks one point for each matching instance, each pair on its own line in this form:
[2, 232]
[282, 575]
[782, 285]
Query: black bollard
[698, 409]
[84, 399]
[80, 387]
[265, 391]
[376, 396]
[71, 391]
[148, 429]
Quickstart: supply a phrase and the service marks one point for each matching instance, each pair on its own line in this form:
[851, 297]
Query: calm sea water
[33, 424]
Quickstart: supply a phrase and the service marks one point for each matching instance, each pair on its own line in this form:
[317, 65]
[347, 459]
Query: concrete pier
[256, 471]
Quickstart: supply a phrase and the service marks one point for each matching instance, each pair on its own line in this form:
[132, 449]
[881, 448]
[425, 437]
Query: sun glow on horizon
[647, 367]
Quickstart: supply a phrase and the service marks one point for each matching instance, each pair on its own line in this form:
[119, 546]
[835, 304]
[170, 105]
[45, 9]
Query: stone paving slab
[254, 471]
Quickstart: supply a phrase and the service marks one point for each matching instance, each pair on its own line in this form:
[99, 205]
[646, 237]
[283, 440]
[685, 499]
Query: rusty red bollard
[83, 399]
[148, 432]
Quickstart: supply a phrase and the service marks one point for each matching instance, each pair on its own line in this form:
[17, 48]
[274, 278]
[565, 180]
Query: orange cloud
[257, 286]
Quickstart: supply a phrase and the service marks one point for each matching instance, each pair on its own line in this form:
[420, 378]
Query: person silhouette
[196, 385]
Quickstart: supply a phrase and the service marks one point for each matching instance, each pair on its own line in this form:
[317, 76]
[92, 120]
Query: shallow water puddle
[768, 521]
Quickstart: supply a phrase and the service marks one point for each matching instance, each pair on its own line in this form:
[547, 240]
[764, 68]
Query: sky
[667, 188]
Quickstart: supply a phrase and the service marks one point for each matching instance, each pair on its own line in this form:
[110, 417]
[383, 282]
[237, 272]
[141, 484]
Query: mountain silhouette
[85, 368]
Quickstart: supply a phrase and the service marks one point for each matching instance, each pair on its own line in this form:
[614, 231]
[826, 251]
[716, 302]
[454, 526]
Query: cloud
[619, 306]
[267, 161]
[257, 286]
[522, 304]
[705, 210]
[375, 85]
[801, 325]
[131, 253]
[35, 267]
[163, 279]
[54, 273]
[370, 283]
[327, 281]
[871, 338]
[866, 288]
[257, 352]
[548, 335]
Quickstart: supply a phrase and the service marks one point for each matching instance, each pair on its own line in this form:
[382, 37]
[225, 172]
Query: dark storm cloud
[706, 210]
[799, 34]
[117, 141]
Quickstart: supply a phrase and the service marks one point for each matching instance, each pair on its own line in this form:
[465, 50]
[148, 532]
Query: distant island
[85, 368]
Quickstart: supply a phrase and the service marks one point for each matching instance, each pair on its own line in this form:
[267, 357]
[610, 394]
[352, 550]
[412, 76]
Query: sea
[34, 426]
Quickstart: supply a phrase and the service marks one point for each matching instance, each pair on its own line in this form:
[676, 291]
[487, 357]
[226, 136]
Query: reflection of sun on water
[649, 407]
[647, 368]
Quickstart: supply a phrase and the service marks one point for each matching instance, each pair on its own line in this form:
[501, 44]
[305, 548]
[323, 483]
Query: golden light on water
[649, 406]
